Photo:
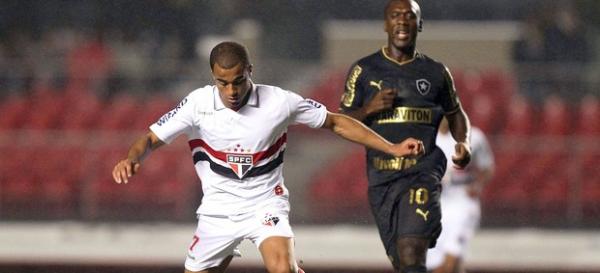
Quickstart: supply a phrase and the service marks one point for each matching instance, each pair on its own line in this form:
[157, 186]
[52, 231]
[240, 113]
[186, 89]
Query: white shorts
[218, 237]
[460, 220]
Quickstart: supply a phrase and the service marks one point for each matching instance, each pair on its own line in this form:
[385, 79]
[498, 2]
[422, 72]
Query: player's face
[401, 24]
[234, 84]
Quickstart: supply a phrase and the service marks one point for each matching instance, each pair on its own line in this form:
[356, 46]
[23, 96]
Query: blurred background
[80, 80]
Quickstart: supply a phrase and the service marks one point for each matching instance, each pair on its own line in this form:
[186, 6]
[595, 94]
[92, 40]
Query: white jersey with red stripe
[238, 155]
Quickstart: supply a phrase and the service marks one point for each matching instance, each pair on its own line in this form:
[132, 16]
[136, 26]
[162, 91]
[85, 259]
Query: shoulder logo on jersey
[313, 103]
[171, 113]
[423, 86]
[240, 163]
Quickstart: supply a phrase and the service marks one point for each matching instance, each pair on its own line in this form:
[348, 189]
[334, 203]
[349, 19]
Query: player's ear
[420, 25]
[250, 69]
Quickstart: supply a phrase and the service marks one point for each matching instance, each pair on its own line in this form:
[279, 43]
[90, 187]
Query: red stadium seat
[159, 191]
[13, 112]
[590, 184]
[341, 187]
[500, 85]
[507, 195]
[519, 118]
[552, 185]
[48, 105]
[588, 123]
[84, 111]
[459, 84]
[91, 60]
[154, 108]
[120, 113]
[329, 90]
[56, 171]
[555, 117]
[483, 113]
[19, 188]
[471, 83]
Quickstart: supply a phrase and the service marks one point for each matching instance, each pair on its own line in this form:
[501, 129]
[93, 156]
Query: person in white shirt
[237, 133]
[461, 209]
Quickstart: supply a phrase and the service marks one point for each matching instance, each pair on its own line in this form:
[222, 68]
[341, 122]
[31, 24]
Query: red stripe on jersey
[195, 143]
[272, 150]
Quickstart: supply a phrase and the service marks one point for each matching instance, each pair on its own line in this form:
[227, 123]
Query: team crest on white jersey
[423, 86]
[240, 163]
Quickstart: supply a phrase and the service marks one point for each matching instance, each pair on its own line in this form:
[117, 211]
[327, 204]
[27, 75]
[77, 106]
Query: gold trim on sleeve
[348, 97]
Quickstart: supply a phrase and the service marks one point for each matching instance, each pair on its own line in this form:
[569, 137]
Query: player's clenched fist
[408, 147]
[462, 155]
[125, 169]
[382, 100]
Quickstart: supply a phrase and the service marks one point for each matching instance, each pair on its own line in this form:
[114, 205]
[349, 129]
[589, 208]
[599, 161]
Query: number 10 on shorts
[419, 196]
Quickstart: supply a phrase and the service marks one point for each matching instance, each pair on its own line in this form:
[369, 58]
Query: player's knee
[281, 266]
[412, 253]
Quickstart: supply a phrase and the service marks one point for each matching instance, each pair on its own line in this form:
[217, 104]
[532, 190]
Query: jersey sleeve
[175, 122]
[352, 98]
[306, 111]
[448, 97]
[482, 153]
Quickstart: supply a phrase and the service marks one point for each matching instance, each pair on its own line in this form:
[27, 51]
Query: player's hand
[383, 100]
[408, 147]
[462, 155]
[125, 169]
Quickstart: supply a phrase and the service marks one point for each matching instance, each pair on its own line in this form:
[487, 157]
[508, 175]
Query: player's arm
[458, 122]
[460, 128]
[353, 130]
[138, 151]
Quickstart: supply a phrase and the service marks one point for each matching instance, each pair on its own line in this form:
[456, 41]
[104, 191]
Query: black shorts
[407, 207]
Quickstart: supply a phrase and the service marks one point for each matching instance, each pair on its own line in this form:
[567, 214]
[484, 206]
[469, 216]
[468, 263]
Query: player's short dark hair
[229, 54]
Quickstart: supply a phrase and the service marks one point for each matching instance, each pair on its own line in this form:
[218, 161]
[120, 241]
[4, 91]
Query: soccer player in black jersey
[399, 93]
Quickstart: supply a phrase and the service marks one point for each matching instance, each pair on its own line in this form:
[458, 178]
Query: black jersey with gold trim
[424, 93]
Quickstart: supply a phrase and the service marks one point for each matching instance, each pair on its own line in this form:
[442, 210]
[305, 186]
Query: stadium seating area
[59, 147]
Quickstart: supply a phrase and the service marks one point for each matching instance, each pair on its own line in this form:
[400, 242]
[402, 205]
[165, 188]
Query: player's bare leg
[278, 255]
[412, 253]
[219, 269]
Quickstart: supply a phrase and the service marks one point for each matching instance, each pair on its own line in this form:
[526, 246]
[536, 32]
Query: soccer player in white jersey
[461, 210]
[237, 134]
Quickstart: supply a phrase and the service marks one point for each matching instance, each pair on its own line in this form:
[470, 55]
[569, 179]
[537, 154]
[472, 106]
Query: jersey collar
[252, 100]
[393, 60]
